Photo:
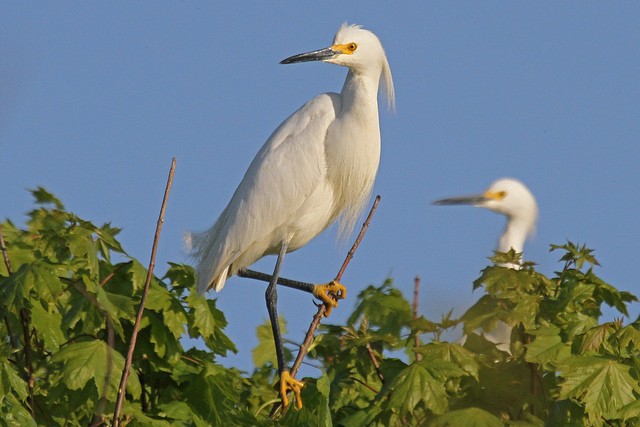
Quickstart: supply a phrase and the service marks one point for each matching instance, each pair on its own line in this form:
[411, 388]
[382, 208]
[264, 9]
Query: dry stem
[134, 334]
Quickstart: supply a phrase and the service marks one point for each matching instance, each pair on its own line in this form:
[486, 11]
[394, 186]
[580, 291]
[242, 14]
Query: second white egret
[317, 166]
[509, 197]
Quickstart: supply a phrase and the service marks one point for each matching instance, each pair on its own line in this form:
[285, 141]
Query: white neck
[513, 237]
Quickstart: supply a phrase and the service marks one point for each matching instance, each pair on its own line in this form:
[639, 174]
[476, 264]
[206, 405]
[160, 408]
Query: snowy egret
[317, 166]
[509, 197]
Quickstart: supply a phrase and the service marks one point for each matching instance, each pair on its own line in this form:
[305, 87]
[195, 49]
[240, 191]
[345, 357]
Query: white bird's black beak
[316, 55]
[465, 200]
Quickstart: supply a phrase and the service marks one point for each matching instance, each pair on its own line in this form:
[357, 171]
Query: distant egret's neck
[514, 235]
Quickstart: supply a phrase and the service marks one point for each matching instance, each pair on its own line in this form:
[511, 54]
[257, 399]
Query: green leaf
[38, 277]
[315, 412]
[416, 385]
[13, 414]
[84, 249]
[628, 339]
[596, 337]
[165, 343]
[448, 352]
[140, 418]
[602, 385]
[469, 417]
[176, 411]
[181, 276]
[43, 197]
[138, 274]
[162, 301]
[208, 321]
[212, 394]
[265, 351]
[49, 327]
[107, 241]
[575, 255]
[484, 314]
[10, 381]
[547, 347]
[93, 360]
[630, 412]
[384, 307]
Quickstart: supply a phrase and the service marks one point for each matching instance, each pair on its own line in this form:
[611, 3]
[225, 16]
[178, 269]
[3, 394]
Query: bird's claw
[288, 383]
[329, 294]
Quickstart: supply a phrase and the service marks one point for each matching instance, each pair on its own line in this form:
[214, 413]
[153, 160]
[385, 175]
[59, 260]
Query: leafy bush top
[69, 293]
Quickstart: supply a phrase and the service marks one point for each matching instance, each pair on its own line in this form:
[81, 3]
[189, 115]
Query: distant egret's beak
[316, 55]
[465, 200]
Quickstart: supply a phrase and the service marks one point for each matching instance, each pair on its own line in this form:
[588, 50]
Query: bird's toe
[288, 383]
[329, 294]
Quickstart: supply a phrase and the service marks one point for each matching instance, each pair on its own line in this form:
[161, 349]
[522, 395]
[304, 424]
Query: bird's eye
[352, 47]
[500, 195]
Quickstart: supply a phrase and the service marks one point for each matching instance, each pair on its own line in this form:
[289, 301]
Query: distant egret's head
[506, 196]
[358, 49]
[510, 197]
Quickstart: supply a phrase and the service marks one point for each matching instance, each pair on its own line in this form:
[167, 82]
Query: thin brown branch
[365, 384]
[374, 360]
[416, 293]
[106, 279]
[136, 326]
[308, 339]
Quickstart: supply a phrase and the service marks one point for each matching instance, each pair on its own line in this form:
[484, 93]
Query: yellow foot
[330, 293]
[288, 383]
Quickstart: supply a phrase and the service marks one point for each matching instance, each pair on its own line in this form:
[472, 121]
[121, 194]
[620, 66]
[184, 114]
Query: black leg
[328, 293]
[256, 275]
[271, 295]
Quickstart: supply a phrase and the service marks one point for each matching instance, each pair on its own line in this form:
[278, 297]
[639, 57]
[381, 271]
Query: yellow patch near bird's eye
[347, 48]
[495, 195]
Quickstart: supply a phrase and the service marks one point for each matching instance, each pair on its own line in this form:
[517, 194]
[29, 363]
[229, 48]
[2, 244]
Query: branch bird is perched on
[317, 166]
[509, 197]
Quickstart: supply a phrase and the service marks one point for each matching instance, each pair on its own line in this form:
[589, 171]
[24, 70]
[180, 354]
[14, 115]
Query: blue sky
[96, 98]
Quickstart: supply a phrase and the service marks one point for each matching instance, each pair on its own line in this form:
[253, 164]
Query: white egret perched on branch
[317, 166]
[509, 197]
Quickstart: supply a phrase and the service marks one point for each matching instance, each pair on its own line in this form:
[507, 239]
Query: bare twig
[365, 384]
[376, 365]
[308, 339]
[134, 334]
[416, 292]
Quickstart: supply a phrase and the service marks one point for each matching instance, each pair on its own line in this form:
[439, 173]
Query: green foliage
[67, 313]
[67, 309]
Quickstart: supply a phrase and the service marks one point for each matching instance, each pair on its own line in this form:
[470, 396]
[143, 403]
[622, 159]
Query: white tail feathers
[194, 244]
[217, 283]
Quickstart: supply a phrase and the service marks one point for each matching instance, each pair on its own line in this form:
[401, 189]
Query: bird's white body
[318, 165]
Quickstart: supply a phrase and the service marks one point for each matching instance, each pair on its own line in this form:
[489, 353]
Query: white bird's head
[358, 49]
[506, 196]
